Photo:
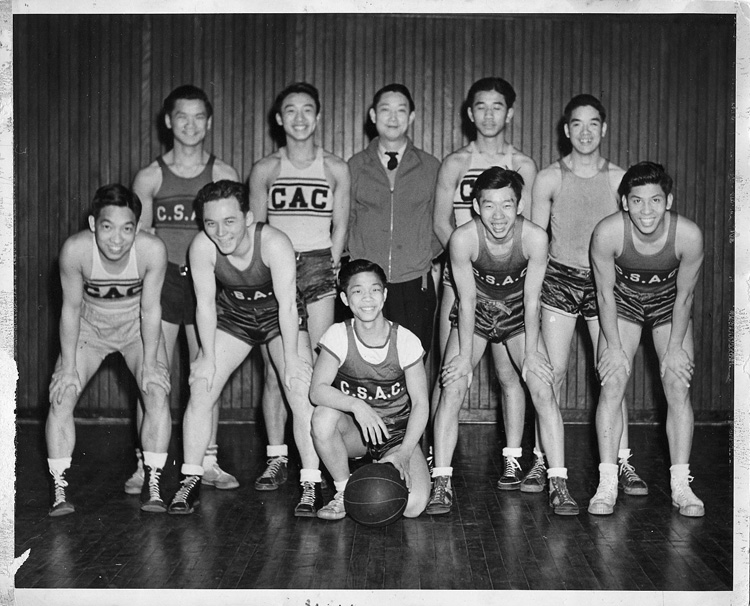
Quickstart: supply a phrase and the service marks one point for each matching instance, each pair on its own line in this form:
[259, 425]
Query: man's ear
[624, 200]
[412, 115]
[372, 115]
[520, 206]
[670, 199]
[344, 300]
[249, 218]
[509, 116]
[92, 223]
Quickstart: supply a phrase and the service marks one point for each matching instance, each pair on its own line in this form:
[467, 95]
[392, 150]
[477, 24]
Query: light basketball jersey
[462, 199]
[113, 293]
[300, 203]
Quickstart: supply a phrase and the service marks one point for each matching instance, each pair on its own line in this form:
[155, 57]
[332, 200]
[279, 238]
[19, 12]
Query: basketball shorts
[645, 308]
[255, 325]
[102, 333]
[494, 320]
[397, 428]
[316, 278]
[569, 291]
[178, 296]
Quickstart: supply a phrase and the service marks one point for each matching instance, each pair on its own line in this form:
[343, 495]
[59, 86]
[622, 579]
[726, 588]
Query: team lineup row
[266, 263]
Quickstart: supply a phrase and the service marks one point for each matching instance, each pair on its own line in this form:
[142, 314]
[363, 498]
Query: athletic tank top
[580, 205]
[647, 273]
[174, 218]
[113, 293]
[382, 386]
[300, 203]
[250, 288]
[462, 200]
[500, 276]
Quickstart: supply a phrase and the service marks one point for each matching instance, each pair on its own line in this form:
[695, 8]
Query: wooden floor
[491, 540]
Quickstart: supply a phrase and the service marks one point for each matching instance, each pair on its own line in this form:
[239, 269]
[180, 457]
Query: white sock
[59, 465]
[340, 486]
[309, 475]
[558, 472]
[191, 470]
[607, 469]
[155, 460]
[209, 458]
[623, 453]
[277, 450]
[442, 471]
[538, 453]
[680, 471]
[513, 452]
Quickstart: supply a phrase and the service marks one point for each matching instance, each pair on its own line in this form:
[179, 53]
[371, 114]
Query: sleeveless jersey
[300, 203]
[647, 273]
[580, 205]
[462, 200]
[174, 218]
[500, 276]
[113, 293]
[382, 386]
[250, 288]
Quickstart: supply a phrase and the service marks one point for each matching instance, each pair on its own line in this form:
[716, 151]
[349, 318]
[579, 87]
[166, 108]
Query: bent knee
[324, 421]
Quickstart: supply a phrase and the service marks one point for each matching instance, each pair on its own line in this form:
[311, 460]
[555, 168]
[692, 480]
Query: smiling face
[189, 121]
[114, 231]
[489, 112]
[497, 209]
[226, 225]
[392, 117]
[647, 205]
[298, 116]
[585, 129]
[365, 296]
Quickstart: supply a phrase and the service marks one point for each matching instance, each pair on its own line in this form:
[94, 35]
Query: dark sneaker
[335, 510]
[60, 504]
[134, 483]
[511, 478]
[441, 496]
[217, 477]
[151, 499]
[536, 478]
[559, 498]
[274, 475]
[630, 481]
[311, 500]
[187, 497]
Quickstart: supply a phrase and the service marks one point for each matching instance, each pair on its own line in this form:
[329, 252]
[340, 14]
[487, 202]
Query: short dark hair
[219, 190]
[498, 178]
[115, 195]
[297, 87]
[189, 92]
[584, 100]
[359, 266]
[492, 83]
[645, 173]
[393, 88]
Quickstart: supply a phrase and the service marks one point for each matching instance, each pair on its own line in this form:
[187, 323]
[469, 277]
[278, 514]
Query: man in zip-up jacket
[390, 222]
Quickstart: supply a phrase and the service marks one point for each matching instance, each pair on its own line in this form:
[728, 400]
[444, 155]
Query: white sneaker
[335, 510]
[217, 477]
[684, 498]
[603, 502]
[134, 483]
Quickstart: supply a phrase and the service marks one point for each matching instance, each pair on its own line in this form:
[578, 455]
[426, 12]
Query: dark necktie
[392, 162]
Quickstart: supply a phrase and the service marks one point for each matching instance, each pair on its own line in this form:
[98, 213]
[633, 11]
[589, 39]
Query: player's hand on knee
[538, 363]
[61, 381]
[401, 462]
[611, 362]
[373, 428]
[155, 375]
[680, 363]
[457, 367]
[202, 369]
[296, 367]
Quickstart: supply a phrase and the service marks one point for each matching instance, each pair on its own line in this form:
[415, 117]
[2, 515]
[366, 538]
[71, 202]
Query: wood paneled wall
[87, 91]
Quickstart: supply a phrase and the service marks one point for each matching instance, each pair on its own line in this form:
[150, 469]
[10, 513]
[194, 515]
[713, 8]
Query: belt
[184, 270]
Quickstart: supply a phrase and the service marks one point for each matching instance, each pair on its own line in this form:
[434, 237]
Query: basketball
[375, 495]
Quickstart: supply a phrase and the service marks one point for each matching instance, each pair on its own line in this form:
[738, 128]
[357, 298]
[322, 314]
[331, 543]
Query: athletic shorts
[316, 278]
[178, 296]
[494, 320]
[104, 333]
[255, 326]
[645, 308]
[397, 429]
[569, 291]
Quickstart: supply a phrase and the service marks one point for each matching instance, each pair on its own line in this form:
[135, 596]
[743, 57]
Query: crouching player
[370, 388]
[498, 262]
[646, 261]
[111, 279]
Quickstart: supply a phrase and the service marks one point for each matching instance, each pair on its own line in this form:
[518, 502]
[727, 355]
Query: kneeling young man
[498, 262]
[111, 279]
[370, 389]
[254, 266]
[646, 262]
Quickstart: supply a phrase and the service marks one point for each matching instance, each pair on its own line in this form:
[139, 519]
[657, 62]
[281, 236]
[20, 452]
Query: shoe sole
[601, 509]
[531, 488]
[153, 508]
[636, 492]
[437, 511]
[331, 517]
[133, 489]
[183, 512]
[516, 486]
[305, 514]
[267, 487]
[57, 513]
[565, 512]
[221, 485]
[690, 511]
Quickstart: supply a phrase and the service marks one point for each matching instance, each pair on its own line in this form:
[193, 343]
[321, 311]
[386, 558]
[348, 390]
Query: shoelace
[628, 471]
[60, 485]
[308, 494]
[511, 464]
[608, 485]
[274, 464]
[187, 485]
[537, 471]
[153, 485]
[562, 491]
[683, 488]
[441, 486]
[338, 502]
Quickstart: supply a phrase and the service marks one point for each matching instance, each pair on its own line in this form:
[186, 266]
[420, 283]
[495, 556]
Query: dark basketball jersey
[500, 276]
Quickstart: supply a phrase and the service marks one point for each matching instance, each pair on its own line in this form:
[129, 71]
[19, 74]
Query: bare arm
[527, 169]
[340, 222]
[146, 183]
[443, 219]
[222, 171]
[202, 255]
[542, 195]
[259, 182]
